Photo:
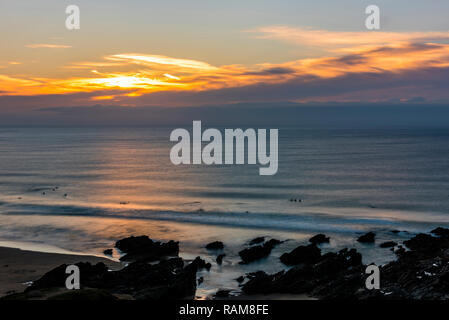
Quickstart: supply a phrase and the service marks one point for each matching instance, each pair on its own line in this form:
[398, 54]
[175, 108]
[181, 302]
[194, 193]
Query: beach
[92, 235]
[19, 267]
[155, 270]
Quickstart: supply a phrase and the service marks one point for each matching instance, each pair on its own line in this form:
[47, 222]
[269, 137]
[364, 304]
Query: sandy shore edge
[17, 267]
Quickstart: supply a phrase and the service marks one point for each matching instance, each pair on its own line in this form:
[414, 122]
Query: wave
[303, 222]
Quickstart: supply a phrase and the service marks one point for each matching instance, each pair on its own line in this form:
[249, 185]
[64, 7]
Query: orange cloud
[171, 76]
[152, 60]
[48, 46]
[344, 41]
[17, 85]
[135, 74]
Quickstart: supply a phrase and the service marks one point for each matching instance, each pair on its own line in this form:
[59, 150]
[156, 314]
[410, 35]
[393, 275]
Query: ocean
[81, 189]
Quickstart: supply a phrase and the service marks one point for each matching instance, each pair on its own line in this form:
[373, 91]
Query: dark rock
[56, 278]
[388, 244]
[319, 238]
[273, 242]
[167, 282]
[446, 253]
[399, 251]
[367, 238]
[302, 254]
[258, 252]
[257, 241]
[240, 279]
[222, 293]
[108, 252]
[144, 249]
[200, 280]
[85, 295]
[395, 231]
[418, 274]
[262, 283]
[254, 253]
[216, 245]
[442, 232]
[168, 279]
[133, 243]
[426, 244]
[220, 258]
[323, 277]
[201, 264]
[22, 296]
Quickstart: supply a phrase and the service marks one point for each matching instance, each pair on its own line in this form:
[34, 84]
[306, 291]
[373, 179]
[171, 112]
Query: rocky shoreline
[154, 271]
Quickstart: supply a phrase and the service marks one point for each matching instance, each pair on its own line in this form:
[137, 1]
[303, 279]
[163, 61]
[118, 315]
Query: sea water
[81, 189]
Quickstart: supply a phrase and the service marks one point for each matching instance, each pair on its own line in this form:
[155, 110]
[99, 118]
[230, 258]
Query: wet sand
[17, 267]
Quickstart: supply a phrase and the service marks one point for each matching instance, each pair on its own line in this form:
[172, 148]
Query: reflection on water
[126, 169]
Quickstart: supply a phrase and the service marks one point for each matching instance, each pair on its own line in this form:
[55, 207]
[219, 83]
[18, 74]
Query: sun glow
[119, 81]
[134, 74]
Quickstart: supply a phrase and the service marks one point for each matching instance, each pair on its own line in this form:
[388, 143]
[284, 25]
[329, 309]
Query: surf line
[183, 152]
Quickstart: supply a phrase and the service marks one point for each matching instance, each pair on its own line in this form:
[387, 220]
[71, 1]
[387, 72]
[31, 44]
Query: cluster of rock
[259, 248]
[318, 276]
[170, 278]
[145, 249]
[155, 272]
[312, 272]
[421, 272]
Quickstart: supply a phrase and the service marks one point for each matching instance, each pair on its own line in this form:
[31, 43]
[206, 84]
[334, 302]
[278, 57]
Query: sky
[203, 53]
